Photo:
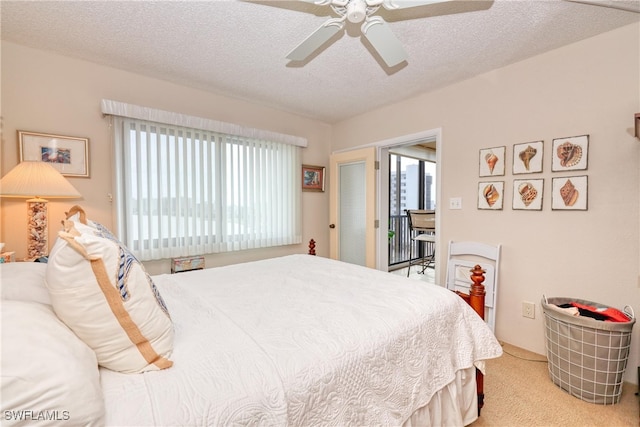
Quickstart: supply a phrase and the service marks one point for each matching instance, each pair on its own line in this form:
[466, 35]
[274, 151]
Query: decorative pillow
[49, 376]
[101, 291]
[24, 281]
[79, 217]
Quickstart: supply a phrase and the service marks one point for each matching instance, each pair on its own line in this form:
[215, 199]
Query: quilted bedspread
[298, 341]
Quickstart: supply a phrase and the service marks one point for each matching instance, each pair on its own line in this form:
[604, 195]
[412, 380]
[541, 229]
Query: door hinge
[376, 165]
[376, 223]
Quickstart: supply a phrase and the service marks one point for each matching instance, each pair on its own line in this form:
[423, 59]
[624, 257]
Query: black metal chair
[422, 229]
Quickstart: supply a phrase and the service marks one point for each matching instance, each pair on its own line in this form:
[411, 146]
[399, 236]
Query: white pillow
[101, 291]
[24, 281]
[49, 376]
[81, 222]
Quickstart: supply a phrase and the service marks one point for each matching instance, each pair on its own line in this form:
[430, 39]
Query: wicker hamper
[587, 357]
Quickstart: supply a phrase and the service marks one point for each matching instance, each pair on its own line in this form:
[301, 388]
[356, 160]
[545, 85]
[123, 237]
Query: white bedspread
[299, 341]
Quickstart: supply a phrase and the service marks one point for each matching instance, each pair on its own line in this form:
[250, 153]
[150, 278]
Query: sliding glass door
[412, 185]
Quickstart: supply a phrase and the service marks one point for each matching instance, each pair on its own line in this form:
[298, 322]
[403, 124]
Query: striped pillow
[102, 292]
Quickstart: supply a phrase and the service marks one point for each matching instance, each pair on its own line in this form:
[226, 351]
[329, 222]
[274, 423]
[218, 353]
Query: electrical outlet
[455, 203]
[528, 310]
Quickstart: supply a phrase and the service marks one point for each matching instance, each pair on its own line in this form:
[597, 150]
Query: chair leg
[429, 259]
[410, 256]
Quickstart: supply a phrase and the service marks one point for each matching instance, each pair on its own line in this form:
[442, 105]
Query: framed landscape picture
[68, 154]
[312, 178]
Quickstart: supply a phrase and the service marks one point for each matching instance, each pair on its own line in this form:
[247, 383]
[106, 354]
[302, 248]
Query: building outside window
[412, 185]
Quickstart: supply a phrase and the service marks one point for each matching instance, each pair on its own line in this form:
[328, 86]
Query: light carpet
[519, 392]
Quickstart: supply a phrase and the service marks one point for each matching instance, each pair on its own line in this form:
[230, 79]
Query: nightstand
[7, 257]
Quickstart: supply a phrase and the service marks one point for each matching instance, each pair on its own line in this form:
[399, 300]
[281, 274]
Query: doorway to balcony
[412, 185]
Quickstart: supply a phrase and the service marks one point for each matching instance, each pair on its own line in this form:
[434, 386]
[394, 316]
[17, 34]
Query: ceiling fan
[627, 5]
[374, 28]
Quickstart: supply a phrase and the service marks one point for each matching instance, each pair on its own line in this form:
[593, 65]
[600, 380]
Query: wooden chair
[422, 229]
[462, 258]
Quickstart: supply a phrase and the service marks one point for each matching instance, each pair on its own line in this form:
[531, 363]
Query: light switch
[455, 203]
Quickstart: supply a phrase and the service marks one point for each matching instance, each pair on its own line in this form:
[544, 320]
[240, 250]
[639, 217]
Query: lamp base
[37, 229]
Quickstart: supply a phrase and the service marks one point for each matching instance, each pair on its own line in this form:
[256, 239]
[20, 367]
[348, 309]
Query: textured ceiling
[238, 48]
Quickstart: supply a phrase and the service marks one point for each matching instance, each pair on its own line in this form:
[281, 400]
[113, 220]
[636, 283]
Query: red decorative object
[312, 247]
[475, 298]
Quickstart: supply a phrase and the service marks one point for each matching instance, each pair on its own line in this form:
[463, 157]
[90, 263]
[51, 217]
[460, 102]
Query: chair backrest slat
[422, 219]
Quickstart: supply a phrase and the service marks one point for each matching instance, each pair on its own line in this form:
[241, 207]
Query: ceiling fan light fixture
[374, 28]
[356, 11]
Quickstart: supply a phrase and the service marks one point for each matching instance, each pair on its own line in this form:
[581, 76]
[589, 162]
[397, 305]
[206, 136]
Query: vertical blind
[186, 191]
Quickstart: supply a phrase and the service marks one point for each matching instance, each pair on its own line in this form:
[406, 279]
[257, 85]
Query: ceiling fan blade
[404, 4]
[319, 2]
[316, 39]
[377, 31]
[629, 6]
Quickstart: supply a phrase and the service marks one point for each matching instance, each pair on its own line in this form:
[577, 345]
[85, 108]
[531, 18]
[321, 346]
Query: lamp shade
[36, 179]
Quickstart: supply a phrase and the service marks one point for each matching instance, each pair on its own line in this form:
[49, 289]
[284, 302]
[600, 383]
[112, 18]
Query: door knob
[332, 226]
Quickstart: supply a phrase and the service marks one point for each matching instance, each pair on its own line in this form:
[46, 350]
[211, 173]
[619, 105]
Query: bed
[298, 340]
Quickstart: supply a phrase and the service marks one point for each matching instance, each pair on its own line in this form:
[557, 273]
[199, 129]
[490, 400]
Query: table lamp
[34, 180]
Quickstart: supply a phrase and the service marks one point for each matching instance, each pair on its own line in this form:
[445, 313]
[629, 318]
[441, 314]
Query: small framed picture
[569, 193]
[312, 178]
[490, 195]
[570, 153]
[527, 157]
[68, 154]
[527, 194]
[492, 161]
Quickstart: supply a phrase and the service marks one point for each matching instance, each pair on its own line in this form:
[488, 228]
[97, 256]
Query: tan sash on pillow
[113, 299]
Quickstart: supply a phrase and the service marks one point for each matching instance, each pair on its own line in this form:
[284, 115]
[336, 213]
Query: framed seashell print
[492, 161]
[569, 193]
[490, 195]
[527, 157]
[527, 194]
[570, 153]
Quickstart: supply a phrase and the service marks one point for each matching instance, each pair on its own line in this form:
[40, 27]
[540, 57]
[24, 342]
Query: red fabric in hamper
[609, 314]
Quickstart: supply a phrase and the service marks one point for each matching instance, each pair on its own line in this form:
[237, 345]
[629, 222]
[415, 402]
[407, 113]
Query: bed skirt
[454, 405]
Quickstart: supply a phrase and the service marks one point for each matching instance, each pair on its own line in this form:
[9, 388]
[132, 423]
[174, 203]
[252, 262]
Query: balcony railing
[400, 243]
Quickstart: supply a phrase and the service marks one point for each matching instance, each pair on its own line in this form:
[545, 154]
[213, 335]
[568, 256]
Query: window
[411, 184]
[184, 191]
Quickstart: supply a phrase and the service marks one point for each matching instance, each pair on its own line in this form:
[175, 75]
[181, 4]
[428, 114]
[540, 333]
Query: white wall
[49, 93]
[591, 87]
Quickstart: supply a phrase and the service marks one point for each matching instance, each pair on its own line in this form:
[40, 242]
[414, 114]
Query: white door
[352, 205]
